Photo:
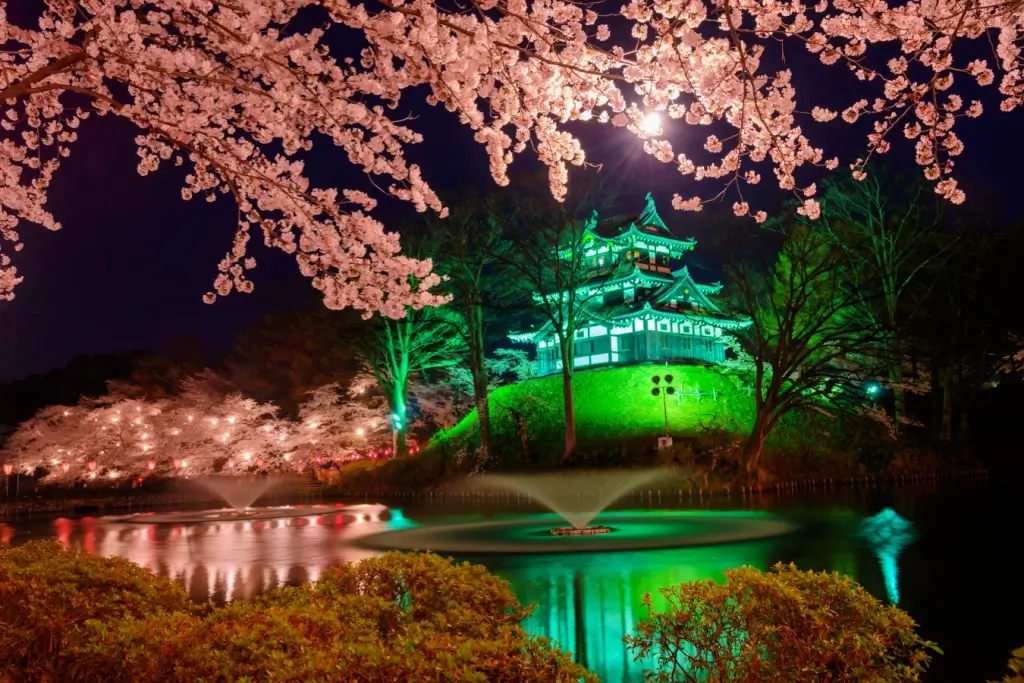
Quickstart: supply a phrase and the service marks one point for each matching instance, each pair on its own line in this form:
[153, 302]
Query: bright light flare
[651, 124]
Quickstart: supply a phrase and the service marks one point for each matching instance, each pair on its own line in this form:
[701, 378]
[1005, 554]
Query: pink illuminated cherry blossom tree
[341, 423]
[208, 427]
[237, 91]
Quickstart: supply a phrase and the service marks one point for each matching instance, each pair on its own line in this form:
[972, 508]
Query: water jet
[580, 498]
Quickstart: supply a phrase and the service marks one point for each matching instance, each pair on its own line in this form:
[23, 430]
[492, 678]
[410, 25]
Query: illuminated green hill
[612, 405]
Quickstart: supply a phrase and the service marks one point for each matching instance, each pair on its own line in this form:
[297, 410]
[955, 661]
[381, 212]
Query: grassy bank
[618, 422]
[612, 404]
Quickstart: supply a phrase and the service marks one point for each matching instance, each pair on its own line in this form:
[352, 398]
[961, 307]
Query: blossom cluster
[236, 93]
[201, 431]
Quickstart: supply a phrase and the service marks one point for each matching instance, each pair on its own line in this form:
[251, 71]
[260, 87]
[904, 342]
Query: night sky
[133, 260]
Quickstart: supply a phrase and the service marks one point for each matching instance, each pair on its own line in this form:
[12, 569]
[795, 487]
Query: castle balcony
[632, 349]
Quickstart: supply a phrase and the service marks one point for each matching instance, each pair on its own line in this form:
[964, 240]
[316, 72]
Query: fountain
[577, 497]
[239, 493]
[580, 498]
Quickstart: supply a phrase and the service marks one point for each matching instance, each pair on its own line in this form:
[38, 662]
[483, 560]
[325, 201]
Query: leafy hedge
[48, 593]
[71, 617]
[1016, 666]
[786, 626]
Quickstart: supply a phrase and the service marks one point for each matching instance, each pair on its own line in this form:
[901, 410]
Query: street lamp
[664, 392]
[8, 468]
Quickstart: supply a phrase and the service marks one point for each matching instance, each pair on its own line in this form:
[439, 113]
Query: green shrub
[1016, 667]
[48, 593]
[398, 617]
[783, 625]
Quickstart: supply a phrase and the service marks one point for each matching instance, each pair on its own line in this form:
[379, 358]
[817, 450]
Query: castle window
[663, 326]
[581, 334]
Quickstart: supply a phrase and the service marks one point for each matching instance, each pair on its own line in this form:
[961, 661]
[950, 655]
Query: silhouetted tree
[469, 249]
[548, 267]
[398, 350]
[888, 234]
[284, 356]
[806, 345]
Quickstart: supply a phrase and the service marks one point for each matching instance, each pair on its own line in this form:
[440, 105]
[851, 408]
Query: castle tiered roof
[646, 226]
[655, 288]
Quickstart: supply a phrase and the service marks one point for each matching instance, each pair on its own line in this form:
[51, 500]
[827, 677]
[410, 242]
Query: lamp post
[65, 466]
[8, 468]
[663, 391]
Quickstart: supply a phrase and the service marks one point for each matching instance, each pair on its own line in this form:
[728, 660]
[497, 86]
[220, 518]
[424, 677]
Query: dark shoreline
[104, 502]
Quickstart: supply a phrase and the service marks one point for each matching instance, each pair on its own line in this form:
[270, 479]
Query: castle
[640, 302]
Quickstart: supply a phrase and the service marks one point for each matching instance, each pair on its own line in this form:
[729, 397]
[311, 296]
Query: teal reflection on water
[588, 602]
[888, 534]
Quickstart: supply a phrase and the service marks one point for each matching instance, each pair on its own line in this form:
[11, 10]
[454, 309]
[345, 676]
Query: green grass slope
[613, 405]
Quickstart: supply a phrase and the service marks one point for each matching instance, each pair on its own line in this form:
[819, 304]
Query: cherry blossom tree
[201, 431]
[341, 423]
[112, 436]
[217, 429]
[237, 91]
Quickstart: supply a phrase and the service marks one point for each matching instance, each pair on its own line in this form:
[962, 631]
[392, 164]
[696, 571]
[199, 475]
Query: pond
[958, 579]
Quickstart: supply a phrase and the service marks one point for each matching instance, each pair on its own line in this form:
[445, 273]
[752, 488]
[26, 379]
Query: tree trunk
[401, 444]
[898, 394]
[752, 450]
[478, 368]
[567, 400]
[947, 402]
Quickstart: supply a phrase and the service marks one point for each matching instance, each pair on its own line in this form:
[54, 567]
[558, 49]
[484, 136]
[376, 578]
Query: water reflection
[587, 603]
[227, 560]
[888, 534]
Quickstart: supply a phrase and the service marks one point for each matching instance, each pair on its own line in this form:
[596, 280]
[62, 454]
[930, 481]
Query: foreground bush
[1016, 667]
[784, 626]
[48, 593]
[399, 617]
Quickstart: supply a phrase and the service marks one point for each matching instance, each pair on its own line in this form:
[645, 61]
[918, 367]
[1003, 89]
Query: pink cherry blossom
[235, 94]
